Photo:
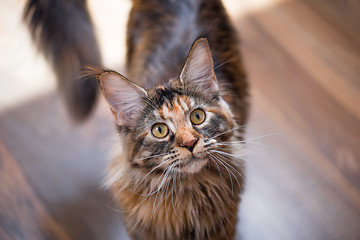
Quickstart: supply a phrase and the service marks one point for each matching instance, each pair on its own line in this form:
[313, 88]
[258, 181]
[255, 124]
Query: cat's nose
[190, 144]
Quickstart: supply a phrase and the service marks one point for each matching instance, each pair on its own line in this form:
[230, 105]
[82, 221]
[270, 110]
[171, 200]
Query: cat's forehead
[171, 102]
[175, 107]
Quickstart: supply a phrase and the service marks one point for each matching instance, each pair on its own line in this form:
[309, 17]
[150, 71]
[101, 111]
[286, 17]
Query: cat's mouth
[193, 165]
[195, 159]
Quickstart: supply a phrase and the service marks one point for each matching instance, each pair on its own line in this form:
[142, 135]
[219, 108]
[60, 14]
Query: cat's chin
[194, 165]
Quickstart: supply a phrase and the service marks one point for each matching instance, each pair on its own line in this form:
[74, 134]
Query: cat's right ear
[124, 97]
[198, 72]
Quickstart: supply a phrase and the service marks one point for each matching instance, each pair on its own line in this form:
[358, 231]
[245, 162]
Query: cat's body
[177, 173]
[161, 33]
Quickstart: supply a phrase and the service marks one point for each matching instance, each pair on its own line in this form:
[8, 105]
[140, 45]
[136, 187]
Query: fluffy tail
[64, 33]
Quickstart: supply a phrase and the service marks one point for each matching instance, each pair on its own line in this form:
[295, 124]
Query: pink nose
[190, 144]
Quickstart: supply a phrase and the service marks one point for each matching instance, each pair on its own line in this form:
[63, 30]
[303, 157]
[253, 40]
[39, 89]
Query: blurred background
[303, 163]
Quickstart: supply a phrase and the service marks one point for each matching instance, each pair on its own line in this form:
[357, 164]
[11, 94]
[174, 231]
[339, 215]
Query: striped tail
[64, 33]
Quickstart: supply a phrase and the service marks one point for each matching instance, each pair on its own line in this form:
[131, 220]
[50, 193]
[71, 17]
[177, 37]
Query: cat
[178, 171]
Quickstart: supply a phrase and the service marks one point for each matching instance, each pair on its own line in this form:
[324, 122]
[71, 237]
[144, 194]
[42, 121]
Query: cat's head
[174, 126]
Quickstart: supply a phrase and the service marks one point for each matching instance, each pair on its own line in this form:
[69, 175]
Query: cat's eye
[160, 130]
[197, 116]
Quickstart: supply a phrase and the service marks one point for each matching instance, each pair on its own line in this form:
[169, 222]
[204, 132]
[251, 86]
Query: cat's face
[173, 127]
[178, 129]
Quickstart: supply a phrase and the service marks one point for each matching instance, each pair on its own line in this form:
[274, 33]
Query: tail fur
[64, 33]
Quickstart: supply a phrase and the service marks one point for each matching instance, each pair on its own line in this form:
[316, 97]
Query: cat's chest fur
[202, 206]
[182, 213]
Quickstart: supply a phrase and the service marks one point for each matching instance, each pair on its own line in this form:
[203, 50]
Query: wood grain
[303, 147]
[304, 88]
[22, 214]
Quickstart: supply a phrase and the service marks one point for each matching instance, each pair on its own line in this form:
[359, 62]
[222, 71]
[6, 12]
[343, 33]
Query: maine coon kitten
[178, 173]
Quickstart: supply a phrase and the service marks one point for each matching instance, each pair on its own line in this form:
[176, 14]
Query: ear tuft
[198, 72]
[123, 96]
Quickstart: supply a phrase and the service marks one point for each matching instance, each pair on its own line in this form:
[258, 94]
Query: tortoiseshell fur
[160, 34]
[160, 199]
[187, 184]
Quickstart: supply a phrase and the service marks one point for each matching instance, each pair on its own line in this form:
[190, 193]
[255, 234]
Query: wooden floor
[303, 164]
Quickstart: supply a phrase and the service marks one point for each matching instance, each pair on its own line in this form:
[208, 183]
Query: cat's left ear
[198, 72]
[124, 97]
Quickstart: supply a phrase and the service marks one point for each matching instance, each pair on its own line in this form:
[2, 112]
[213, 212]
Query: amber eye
[160, 130]
[197, 116]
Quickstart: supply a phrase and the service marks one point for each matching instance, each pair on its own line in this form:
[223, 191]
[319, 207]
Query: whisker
[225, 153]
[263, 136]
[217, 165]
[111, 208]
[179, 175]
[166, 192]
[151, 193]
[229, 165]
[163, 175]
[229, 156]
[152, 171]
[250, 141]
[165, 178]
[172, 202]
[232, 185]
[221, 64]
[152, 156]
[172, 63]
[232, 129]
[263, 145]
[145, 196]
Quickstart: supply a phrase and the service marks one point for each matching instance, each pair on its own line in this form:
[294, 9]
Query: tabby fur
[160, 198]
[182, 57]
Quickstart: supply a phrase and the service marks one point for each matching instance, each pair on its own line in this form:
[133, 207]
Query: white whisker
[111, 208]
[229, 165]
[232, 185]
[152, 156]
[217, 165]
[263, 136]
[221, 64]
[165, 179]
[172, 201]
[163, 175]
[225, 153]
[232, 129]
